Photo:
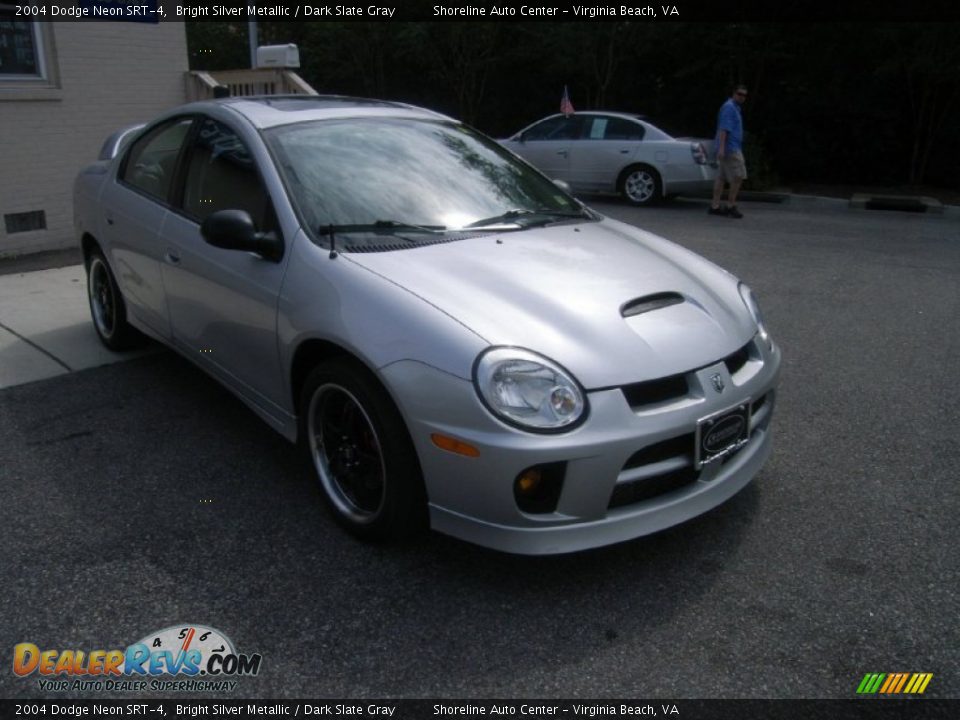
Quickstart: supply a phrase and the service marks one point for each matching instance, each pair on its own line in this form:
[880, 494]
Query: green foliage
[760, 169]
[217, 46]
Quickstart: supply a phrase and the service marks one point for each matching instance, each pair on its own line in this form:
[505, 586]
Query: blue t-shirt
[730, 120]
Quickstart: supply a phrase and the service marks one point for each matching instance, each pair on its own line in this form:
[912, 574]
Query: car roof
[611, 113]
[273, 110]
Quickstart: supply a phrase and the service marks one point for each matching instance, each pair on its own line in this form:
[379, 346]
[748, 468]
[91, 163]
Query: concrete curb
[859, 202]
[903, 203]
[45, 327]
[42, 260]
[807, 201]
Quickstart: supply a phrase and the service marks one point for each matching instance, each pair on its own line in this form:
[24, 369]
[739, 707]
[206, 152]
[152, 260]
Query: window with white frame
[21, 47]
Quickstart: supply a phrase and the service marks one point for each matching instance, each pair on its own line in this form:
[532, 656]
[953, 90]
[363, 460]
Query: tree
[928, 61]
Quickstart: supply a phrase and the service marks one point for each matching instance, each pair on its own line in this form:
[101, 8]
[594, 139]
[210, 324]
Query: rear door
[134, 209]
[608, 144]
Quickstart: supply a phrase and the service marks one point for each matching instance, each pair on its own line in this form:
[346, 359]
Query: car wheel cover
[103, 303]
[346, 453]
[640, 186]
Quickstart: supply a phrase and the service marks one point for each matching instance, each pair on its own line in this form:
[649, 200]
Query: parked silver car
[452, 338]
[608, 152]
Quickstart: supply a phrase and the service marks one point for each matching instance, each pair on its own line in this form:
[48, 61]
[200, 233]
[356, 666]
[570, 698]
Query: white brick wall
[111, 74]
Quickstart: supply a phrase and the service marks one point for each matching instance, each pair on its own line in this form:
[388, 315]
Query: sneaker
[733, 212]
[717, 211]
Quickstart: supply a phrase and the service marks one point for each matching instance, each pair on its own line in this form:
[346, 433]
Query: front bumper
[624, 448]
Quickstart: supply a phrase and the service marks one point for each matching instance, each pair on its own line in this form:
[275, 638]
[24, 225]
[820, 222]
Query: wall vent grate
[25, 221]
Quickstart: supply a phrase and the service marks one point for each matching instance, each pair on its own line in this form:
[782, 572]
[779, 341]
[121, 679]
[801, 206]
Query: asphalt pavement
[141, 495]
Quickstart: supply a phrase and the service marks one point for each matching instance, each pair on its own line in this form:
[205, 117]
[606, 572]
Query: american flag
[566, 107]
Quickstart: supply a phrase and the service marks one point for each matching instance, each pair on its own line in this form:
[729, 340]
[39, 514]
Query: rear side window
[222, 176]
[152, 160]
[614, 128]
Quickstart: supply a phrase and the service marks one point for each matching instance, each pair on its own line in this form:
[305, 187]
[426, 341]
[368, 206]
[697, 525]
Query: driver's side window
[555, 128]
[222, 175]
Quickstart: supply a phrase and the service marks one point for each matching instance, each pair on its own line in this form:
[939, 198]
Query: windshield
[390, 175]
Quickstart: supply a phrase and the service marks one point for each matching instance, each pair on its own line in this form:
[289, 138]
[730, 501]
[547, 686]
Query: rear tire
[107, 308]
[361, 452]
[641, 185]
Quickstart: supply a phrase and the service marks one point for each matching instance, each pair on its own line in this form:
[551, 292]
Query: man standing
[729, 146]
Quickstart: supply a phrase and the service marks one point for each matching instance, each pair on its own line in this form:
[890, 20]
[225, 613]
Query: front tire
[641, 185]
[362, 455]
[107, 308]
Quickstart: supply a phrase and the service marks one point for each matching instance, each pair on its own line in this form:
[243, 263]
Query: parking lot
[141, 495]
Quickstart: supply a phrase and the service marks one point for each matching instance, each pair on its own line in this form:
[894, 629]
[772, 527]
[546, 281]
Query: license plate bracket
[721, 434]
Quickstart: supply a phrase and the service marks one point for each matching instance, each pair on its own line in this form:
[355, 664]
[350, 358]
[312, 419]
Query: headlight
[528, 390]
[754, 309]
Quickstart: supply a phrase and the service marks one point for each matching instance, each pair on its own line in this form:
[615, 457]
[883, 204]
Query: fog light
[528, 481]
[537, 489]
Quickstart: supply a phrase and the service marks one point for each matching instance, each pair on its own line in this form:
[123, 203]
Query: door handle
[624, 152]
[109, 220]
[562, 152]
[172, 257]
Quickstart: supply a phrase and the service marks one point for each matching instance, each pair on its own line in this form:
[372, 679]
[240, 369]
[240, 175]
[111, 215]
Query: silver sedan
[452, 339]
[608, 152]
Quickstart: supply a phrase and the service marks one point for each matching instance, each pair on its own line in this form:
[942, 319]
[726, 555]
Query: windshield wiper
[511, 216]
[380, 226]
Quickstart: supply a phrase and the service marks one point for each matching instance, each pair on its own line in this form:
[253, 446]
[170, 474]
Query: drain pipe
[252, 34]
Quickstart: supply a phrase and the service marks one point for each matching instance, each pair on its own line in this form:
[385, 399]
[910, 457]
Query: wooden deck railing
[260, 81]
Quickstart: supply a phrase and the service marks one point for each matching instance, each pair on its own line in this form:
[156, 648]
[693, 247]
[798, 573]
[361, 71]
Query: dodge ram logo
[717, 381]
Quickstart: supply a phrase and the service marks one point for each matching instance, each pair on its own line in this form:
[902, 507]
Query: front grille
[674, 387]
[629, 493]
[665, 450]
[757, 404]
[675, 460]
[651, 392]
[735, 361]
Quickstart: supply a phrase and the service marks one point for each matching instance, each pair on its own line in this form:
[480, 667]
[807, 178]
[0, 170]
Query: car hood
[560, 290]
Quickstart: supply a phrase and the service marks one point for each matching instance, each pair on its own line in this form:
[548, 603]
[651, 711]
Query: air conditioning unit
[280, 56]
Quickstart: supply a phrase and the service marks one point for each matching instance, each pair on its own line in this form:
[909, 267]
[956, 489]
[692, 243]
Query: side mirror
[234, 230]
[521, 138]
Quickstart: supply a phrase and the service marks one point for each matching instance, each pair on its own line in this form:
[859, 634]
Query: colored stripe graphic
[921, 682]
[903, 679]
[871, 683]
[894, 683]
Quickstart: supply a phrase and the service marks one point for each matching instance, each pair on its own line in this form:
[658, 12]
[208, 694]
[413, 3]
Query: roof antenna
[333, 242]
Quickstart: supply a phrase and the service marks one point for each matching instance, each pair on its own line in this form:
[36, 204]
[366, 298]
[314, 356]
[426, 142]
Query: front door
[223, 303]
[547, 145]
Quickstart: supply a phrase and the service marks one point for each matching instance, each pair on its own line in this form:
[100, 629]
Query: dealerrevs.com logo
[188, 658]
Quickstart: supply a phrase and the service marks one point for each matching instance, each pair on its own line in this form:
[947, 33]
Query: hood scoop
[650, 302]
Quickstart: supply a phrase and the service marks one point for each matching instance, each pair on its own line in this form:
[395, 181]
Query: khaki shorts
[732, 167]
